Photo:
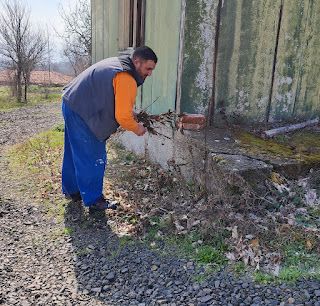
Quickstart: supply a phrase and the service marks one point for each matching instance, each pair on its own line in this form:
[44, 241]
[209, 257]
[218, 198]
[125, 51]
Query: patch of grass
[127, 240]
[69, 230]
[297, 262]
[291, 274]
[239, 268]
[207, 254]
[83, 252]
[36, 164]
[187, 246]
[37, 95]
[59, 128]
[263, 278]
[38, 152]
[203, 276]
[87, 224]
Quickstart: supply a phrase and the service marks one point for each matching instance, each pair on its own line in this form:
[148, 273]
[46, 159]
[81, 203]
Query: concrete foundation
[210, 157]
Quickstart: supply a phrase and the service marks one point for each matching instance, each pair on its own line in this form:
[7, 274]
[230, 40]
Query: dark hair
[144, 53]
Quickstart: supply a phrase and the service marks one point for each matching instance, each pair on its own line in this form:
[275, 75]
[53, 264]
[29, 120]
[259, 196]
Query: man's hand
[135, 116]
[140, 130]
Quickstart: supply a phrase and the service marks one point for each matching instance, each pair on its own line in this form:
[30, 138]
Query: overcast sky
[45, 13]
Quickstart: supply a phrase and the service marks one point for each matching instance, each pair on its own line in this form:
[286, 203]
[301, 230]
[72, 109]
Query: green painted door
[162, 30]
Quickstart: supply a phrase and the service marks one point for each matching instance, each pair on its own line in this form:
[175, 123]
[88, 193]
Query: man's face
[144, 68]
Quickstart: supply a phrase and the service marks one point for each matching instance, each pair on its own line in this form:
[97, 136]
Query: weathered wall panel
[198, 48]
[308, 89]
[104, 29]
[97, 27]
[245, 58]
[287, 70]
[250, 85]
[162, 35]
[111, 28]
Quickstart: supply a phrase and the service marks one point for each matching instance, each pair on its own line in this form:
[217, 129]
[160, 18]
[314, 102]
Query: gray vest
[91, 94]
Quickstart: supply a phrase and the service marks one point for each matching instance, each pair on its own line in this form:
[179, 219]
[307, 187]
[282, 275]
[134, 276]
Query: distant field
[37, 95]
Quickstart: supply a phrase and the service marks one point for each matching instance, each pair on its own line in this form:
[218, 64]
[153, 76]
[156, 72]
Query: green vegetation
[83, 252]
[207, 254]
[239, 268]
[302, 146]
[127, 240]
[68, 230]
[191, 246]
[37, 95]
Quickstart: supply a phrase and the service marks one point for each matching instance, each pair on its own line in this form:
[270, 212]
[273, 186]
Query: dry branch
[149, 120]
[292, 127]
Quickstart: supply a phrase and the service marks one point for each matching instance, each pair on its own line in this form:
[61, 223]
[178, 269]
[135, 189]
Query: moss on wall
[308, 89]
[246, 50]
[288, 64]
[197, 73]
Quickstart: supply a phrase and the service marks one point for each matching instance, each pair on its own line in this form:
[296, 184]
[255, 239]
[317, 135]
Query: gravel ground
[41, 265]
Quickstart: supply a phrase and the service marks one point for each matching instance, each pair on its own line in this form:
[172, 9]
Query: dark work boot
[102, 205]
[75, 197]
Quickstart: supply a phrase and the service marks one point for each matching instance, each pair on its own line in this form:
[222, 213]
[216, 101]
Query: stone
[111, 276]
[154, 268]
[98, 289]
[291, 300]
[205, 299]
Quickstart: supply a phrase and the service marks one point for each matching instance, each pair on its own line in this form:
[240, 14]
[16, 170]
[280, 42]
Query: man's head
[144, 60]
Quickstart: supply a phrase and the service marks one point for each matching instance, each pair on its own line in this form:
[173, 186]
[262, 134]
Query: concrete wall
[198, 55]
[258, 63]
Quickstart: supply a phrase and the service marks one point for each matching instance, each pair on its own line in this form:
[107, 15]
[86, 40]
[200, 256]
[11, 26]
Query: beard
[142, 75]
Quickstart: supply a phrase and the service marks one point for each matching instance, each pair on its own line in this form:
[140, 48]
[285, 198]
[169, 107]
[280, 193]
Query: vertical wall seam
[180, 58]
[274, 63]
[216, 47]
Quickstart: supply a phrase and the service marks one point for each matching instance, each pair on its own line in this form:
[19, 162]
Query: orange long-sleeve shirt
[125, 91]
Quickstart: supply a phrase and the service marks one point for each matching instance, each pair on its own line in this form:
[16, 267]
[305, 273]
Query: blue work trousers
[84, 159]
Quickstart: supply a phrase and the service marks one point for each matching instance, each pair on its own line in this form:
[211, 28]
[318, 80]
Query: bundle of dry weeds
[148, 120]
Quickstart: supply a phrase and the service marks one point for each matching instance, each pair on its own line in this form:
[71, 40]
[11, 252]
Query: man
[94, 105]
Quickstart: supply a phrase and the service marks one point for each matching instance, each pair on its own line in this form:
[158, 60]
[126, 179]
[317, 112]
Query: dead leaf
[284, 227]
[308, 244]
[235, 232]
[276, 270]
[249, 237]
[191, 223]
[179, 227]
[276, 178]
[231, 256]
[255, 241]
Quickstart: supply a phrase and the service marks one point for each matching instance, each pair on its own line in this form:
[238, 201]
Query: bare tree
[77, 34]
[33, 53]
[21, 45]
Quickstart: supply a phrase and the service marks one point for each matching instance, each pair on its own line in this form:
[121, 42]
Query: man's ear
[136, 63]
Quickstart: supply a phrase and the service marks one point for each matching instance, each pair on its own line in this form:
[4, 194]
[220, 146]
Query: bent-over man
[94, 104]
